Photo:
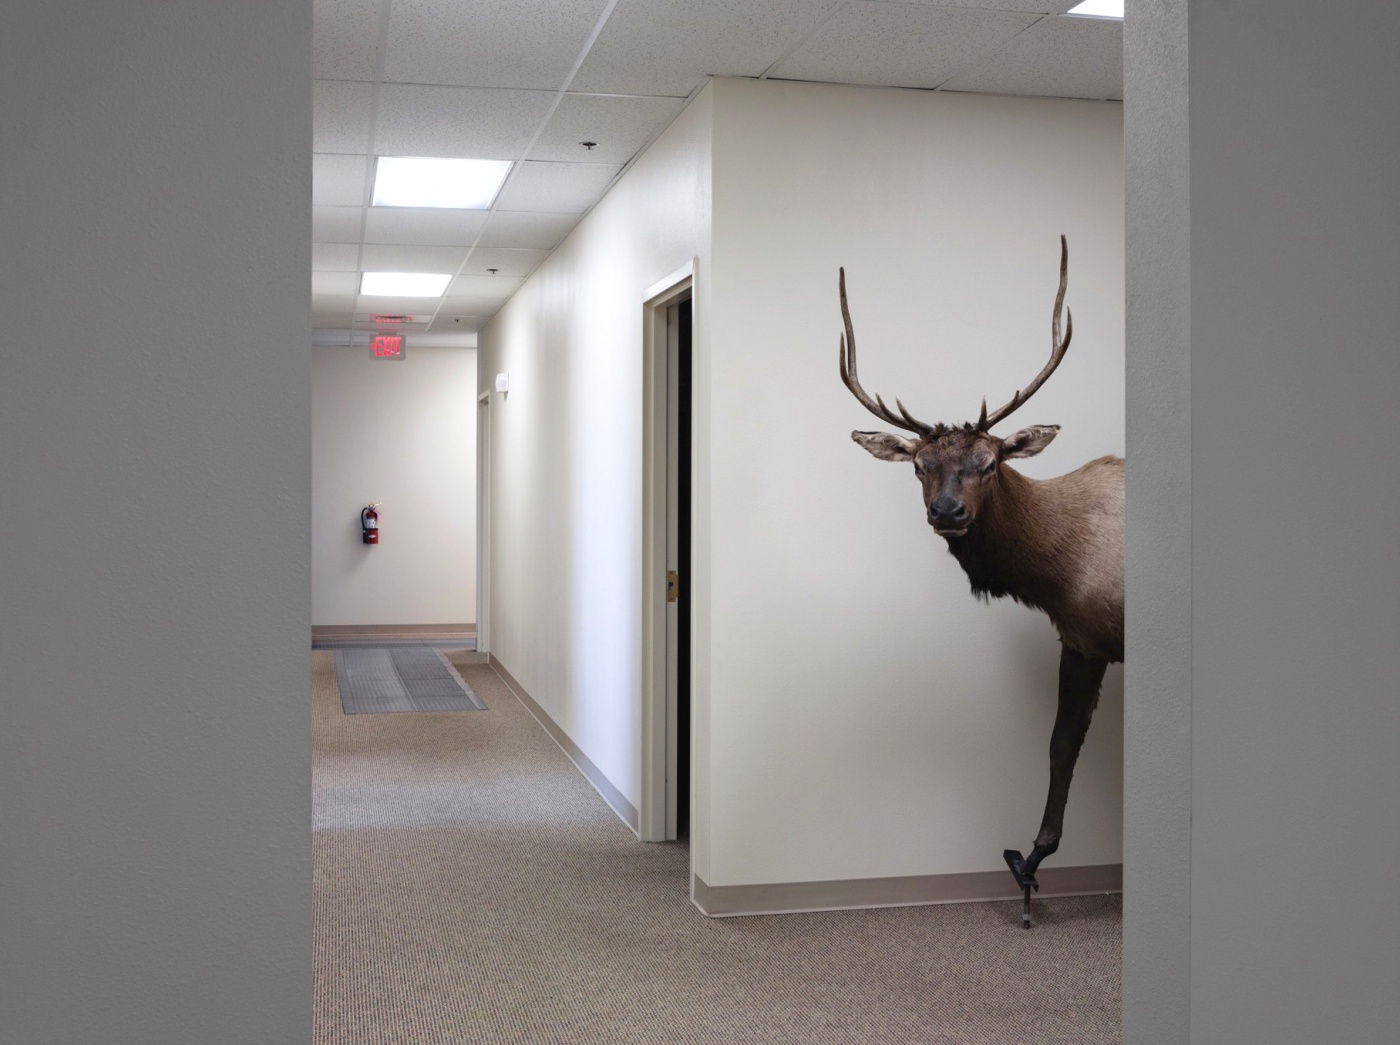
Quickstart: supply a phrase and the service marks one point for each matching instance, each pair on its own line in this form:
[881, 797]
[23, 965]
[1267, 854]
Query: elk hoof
[1024, 874]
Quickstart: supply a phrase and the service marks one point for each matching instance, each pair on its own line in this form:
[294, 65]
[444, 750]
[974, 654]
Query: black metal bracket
[1027, 882]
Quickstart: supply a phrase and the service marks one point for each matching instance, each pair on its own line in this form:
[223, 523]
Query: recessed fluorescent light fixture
[411, 181]
[405, 284]
[1099, 9]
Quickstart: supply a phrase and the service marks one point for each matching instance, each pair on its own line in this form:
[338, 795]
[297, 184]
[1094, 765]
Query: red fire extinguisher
[369, 524]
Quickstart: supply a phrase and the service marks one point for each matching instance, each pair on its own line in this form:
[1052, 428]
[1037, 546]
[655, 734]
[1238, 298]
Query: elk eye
[918, 472]
[989, 467]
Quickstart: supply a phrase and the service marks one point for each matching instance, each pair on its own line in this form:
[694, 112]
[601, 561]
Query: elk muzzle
[948, 517]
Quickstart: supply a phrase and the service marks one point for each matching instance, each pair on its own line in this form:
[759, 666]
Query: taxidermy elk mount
[1055, 545]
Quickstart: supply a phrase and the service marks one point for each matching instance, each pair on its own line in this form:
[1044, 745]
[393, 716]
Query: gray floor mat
[376, 680]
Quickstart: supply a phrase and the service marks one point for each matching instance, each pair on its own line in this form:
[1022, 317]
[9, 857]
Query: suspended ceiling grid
[531, 80]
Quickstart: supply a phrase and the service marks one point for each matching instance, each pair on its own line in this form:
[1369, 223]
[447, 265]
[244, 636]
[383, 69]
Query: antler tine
[1058, 348]
[877, 405]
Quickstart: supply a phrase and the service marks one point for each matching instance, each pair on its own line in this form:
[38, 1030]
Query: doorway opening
[667, 592]
[678, 550]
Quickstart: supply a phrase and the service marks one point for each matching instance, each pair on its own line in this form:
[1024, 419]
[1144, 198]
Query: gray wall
[1276, 714]
[154, 393]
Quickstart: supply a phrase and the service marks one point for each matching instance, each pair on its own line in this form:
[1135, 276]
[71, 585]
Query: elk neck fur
[1055, 545]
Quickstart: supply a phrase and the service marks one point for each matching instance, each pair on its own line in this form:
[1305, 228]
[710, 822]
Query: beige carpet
[471, 887]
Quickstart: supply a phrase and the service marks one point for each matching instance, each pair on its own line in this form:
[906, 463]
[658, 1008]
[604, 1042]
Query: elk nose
[945, 509]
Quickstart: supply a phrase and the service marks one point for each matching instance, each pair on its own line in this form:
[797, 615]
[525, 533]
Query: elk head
[958, 465]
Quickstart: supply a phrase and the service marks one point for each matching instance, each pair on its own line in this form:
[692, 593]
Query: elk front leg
[1080, 679]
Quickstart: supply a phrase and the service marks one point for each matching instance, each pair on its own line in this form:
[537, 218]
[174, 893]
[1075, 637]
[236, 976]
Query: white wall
[1286, 687]
[566, 445]
[155, 201]
[400, 432]
[868, 717]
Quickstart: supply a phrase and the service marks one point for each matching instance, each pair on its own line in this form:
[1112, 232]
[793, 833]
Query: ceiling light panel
[405, 284]
[1099, 8]
[415, 181]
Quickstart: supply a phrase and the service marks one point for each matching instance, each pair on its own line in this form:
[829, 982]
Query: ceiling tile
[385, 257]
[657, 47]
[458, 324]
[1068, 57]
[488, 43]
[620, 126]
[464, 306]
[423, 225]
[340, 116]
[900, 45]
[346, 283]
[537, 231]
[329, 320]
[1040, 7]
[335, 257]
[557, 187]
[368, 304]
[484, 288]
[335, 224]
[341, 304]
[338, 179]
[344, 39]
[467, 122]
[507, 261]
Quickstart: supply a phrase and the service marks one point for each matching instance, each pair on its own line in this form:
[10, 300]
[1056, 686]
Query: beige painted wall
[403, 433]
[566, 446]
[868, 717]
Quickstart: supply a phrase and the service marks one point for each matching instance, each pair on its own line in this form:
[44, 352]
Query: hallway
[470, 886]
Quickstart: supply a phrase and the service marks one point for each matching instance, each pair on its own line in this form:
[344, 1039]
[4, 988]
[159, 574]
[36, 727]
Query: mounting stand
[1027, 882]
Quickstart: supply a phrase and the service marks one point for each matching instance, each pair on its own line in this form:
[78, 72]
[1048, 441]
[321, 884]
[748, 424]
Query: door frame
[483, 522]
[657, 814]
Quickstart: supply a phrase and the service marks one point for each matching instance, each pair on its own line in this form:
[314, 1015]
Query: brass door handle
[673, 585]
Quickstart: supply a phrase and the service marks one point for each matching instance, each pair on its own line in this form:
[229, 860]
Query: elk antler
[1057, 350]
[848, 375]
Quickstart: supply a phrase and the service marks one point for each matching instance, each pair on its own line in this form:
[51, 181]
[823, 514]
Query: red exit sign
[387, 346]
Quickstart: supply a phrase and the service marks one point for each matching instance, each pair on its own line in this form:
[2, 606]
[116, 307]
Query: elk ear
[1029, 441]
[886, 445]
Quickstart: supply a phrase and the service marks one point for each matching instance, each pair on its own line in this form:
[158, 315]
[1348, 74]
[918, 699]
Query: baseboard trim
[729, 901]
[615, 799]
[392, 631]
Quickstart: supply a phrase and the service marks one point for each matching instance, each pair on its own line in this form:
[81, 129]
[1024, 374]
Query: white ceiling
[530, 80]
